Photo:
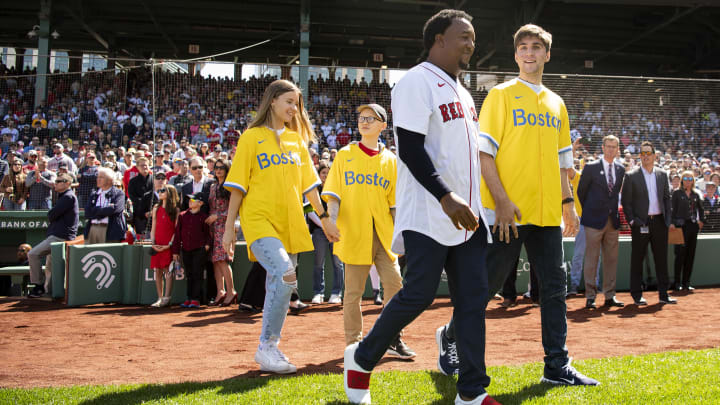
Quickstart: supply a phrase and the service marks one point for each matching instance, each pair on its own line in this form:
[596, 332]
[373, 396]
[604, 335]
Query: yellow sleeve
[239, 176]
[391, 187]
[310, 179]
[493, 117]
[333, 183]
[564, 142]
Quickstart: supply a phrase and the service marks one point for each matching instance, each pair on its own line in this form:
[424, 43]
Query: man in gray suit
[646, 203]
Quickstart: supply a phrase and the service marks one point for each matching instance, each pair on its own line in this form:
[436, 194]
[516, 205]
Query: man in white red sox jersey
[439, 220]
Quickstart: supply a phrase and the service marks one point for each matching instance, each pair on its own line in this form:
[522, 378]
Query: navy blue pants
[464, 265]
[544, 249]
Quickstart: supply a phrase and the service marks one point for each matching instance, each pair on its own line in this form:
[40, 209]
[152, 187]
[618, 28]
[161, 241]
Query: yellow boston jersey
[274, 179]
[529, 131]
[574, 183]
[365, 187]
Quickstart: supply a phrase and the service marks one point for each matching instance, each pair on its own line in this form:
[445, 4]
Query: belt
[655, 216]
[99, 224]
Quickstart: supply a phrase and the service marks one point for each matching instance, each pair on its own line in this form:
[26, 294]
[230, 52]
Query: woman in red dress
[164, 218]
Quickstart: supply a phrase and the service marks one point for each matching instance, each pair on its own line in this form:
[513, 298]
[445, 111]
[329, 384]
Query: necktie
[610, 179]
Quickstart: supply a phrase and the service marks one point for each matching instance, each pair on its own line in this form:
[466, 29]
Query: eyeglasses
[194, 200]
[162, 190]
[17, 164]
[646, 153]
[687, 178]
[60, 181]
[368, 119]
[196, 167]
[221, 167]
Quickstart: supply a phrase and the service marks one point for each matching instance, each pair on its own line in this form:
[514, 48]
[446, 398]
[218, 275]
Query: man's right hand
[505, 213]
[459, 212]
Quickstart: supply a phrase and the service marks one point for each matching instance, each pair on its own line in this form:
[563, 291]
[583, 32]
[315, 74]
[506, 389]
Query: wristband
[324, 215]
[568, 200]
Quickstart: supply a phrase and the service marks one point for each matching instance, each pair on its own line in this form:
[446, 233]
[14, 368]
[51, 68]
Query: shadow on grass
[445, 386]
[156, 392]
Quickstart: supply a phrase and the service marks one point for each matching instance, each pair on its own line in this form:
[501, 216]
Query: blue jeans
[467, 280]
[322, 244]
[272, 255]
[13, 206]
[576, 271]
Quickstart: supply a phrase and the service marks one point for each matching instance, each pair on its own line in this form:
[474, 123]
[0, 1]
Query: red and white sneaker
[483, 399]
[357, 379]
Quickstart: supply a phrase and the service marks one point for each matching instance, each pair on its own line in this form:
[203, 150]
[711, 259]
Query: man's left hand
[570, 219]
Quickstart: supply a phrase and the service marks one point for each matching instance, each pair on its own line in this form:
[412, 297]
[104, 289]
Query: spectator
[219, 199]
[105, 211]
[711, 205]
[40, 183]
[647, 206]
[22, 254]
[193, 240]
[60, 157]
[13, 184]
[164, 220]
[689, 215]
[200, 184]
[4, 168]
[322, 245]
[64, 218]
[141, 184]
[87, 178]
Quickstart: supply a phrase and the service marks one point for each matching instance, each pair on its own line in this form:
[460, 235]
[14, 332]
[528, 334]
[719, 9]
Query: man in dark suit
[137, 188]
[598, 192]
[199, 184]
[105, 211]
[646, 203]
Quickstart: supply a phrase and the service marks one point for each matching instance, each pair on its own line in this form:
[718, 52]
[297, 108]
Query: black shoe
[508, 303]
[377, 297]
[37, 292]
[399, 349]
[249, 308]
[613, 302]
[640, 302]
[689, 288]
[668, 300]
[678, 288]
[568, 376]
[590, 303]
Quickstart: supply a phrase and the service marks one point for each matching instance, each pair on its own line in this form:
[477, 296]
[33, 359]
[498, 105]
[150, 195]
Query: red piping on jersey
[467, 132]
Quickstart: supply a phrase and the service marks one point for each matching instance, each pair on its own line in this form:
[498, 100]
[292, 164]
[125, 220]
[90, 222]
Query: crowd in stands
[105, 120]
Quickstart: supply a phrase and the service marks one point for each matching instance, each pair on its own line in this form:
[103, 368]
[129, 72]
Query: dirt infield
[44, 343]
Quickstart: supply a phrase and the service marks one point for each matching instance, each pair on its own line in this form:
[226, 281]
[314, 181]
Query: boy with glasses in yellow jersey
[360, 192]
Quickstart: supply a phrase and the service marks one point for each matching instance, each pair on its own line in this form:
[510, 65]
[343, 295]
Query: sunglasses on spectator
[17, 164]
[60, 181]
[162, 190]
[687, 178]
[221, 167]
[368, 119]
[646, 153]
[196, 167]
[194, 200]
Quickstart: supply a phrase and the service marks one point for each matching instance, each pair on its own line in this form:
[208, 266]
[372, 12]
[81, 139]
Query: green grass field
[687, 377]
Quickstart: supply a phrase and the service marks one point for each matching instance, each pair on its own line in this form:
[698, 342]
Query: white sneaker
[271, 359]
[157, 303]
[483, 399]
[356, 379]
[317, 299]
[165, 302]
[335, 299]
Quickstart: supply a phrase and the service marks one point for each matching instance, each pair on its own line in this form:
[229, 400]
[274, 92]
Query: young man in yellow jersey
[360, 192]
[525, 153]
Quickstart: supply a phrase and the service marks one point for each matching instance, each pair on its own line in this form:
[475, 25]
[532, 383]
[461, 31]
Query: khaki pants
[607, 240]
[355, 278]
[97, 234]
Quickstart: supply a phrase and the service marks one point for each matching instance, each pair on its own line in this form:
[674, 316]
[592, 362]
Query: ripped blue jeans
[279, 285]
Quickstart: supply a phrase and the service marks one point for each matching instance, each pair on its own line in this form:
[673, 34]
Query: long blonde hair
[300, 122]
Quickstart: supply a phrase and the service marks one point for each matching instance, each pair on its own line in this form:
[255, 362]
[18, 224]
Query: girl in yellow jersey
[270, 174]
